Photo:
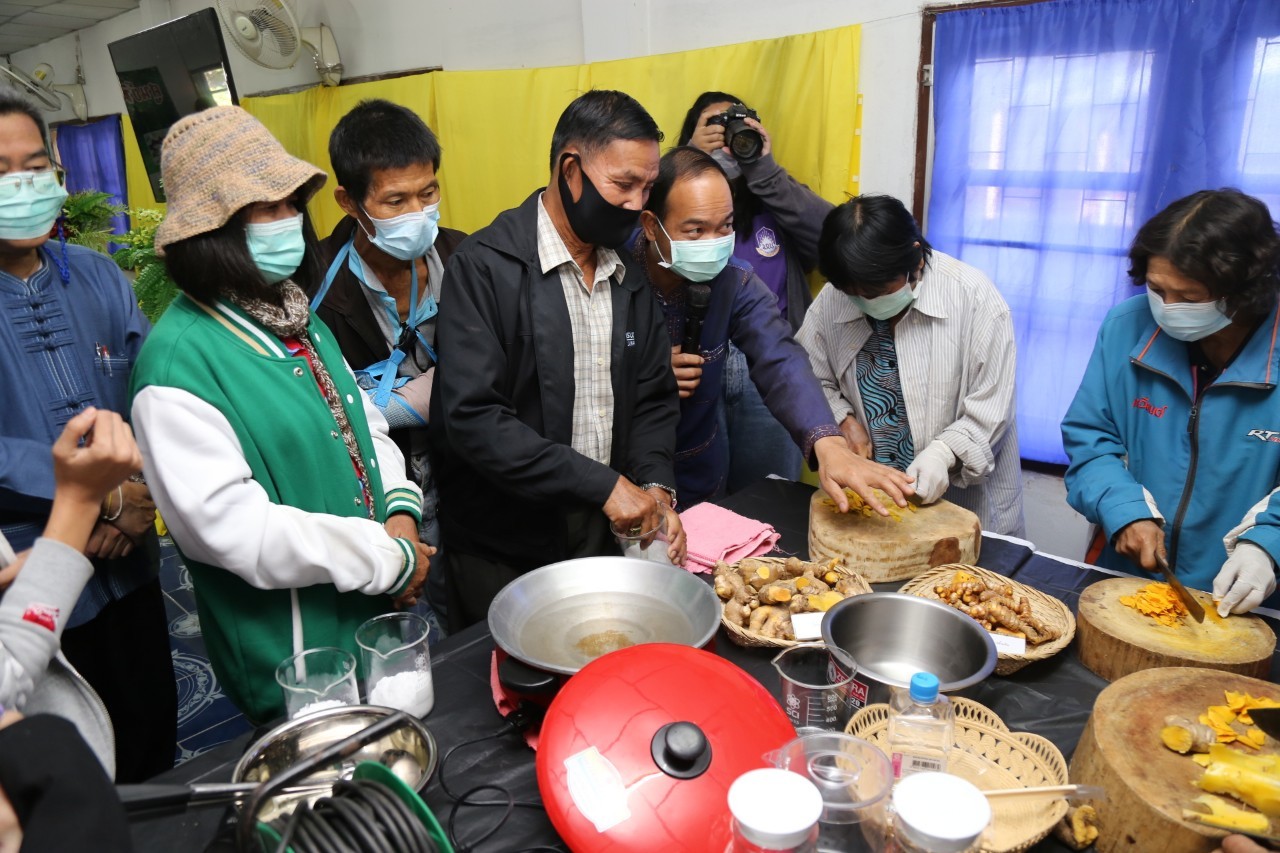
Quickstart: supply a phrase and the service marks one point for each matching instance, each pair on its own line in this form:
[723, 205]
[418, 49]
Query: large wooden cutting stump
[1147, 784]
[1114, 640]
[886, 549]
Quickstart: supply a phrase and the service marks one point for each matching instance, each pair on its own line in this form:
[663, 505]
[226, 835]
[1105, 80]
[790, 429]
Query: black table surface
[1052, 698]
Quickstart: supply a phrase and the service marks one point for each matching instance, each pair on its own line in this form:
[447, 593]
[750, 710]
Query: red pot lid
[638, 750]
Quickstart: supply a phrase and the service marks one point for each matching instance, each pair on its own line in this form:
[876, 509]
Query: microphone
[697, 298]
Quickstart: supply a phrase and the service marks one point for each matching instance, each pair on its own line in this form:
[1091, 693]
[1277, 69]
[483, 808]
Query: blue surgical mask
[29, 204]
[1188, 321]
[887, 304]
[276, 247]
[697, 260]
[409, 236]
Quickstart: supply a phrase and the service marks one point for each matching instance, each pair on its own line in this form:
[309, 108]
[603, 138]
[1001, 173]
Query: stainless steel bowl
[410, 752]
[893, 636]
[562, 616]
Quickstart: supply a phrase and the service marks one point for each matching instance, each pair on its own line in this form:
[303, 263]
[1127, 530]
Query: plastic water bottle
[921, 727]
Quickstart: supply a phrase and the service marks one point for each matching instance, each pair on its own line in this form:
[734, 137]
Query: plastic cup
[644, 544]
[855, 780]
[397, 662]
[316, 679]
[817, 682]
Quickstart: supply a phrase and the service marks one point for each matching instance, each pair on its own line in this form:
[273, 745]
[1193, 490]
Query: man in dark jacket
[555, 410]
[381, 294]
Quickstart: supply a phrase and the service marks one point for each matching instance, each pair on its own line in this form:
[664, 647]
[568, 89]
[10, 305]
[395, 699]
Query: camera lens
[745, 142]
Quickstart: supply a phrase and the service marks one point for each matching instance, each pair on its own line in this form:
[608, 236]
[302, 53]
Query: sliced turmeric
[1183, 736]
[1223, 815]
[859, 506]
[1251, 779]
[1160, 602]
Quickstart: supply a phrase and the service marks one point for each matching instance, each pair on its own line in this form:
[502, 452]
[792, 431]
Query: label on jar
[907, 763]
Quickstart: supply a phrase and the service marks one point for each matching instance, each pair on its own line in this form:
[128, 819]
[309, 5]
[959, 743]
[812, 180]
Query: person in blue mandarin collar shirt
[70, 330]
[1174, 435]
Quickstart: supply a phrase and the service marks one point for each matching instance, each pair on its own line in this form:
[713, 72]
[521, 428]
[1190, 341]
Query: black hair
[1223, 239]
[700, 103]
[746, 205]
[868, 242]
[218, 264]
[375, 135]
[12, 103]
[597, 118]
[682, 163]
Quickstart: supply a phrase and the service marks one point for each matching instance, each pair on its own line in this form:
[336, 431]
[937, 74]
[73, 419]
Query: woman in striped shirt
[915, 352]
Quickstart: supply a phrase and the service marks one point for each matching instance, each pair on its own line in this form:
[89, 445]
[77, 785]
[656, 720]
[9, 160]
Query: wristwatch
[670, 491]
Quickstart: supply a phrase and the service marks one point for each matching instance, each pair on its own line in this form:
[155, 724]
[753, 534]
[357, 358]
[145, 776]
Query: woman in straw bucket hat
[275, 475]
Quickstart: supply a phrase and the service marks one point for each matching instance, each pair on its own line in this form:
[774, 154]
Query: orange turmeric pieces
[1160, 602]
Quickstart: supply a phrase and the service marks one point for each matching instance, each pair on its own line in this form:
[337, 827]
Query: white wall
[379, 36]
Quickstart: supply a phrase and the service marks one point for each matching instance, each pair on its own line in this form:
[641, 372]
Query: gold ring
[635, 531]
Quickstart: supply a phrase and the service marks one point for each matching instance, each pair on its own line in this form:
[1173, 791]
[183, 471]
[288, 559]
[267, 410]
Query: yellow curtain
[496, 126]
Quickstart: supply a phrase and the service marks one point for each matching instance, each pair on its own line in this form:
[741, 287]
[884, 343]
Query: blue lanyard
[387, 370]
[417, 313]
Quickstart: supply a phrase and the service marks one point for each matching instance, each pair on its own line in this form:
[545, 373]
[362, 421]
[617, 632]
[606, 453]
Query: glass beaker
[316, 679]
[816, 686]
[854, 778]
[397, 662]
[644, 544]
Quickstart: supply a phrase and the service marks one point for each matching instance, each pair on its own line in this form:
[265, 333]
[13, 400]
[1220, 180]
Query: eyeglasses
[40, 180]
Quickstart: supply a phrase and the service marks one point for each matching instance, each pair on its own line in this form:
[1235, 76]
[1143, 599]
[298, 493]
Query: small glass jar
[936, 813]
[774, 811]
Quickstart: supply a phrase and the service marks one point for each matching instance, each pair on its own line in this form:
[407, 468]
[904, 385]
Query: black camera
[743, 141]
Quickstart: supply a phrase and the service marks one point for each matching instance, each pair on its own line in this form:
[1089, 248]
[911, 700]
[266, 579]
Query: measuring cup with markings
[818, 686]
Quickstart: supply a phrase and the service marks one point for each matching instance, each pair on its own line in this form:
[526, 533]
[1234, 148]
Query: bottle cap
[940, 812]
[924, 687]
[775, 809]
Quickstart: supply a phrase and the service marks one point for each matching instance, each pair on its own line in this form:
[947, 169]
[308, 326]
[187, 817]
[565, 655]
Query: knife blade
[1267, 719]
[1193, 606]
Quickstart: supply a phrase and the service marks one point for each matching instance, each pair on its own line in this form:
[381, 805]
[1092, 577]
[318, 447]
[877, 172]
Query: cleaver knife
[1193, 606]
[1267, 719]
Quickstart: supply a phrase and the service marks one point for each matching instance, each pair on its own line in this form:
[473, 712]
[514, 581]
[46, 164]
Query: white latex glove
[1246, 578]
[932, 470]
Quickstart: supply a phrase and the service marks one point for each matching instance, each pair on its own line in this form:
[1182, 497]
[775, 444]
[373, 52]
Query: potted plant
[151, 283]
[87, 216]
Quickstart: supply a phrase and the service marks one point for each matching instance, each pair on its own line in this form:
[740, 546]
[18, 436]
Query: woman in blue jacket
[1174, 435]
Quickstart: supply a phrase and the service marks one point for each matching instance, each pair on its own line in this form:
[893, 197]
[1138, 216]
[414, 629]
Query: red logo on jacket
[44, 615]
[1144, 403]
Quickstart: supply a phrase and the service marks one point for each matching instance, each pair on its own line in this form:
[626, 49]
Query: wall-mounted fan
[39, 85]
[267, 33]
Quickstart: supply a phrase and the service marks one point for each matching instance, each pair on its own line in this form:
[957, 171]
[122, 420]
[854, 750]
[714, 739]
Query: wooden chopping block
[884, 549]
[1114, 640]
[1147, 784]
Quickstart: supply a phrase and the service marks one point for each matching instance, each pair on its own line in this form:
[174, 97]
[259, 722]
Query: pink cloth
[716, 533]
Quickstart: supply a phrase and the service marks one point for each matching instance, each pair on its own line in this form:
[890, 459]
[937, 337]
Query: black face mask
[592, 218]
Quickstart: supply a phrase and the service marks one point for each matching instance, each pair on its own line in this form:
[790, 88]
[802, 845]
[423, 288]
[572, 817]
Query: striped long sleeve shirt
[957, 366]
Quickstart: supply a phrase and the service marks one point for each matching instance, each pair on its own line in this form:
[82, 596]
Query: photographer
[685, 244]
[777, 220]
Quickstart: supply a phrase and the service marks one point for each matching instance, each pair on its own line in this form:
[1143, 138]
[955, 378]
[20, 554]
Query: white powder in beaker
[411, 692]
[318, 705]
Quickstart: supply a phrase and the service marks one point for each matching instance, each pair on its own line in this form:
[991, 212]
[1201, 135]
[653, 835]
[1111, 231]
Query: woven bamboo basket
[743, 637]
[1049, 610]
[990, 756]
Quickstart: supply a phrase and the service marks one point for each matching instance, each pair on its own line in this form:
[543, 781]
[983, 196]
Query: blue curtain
[1061, 127]
[93, 155]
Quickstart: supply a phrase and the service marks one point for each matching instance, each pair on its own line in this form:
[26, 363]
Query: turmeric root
[1223, 815]
[772, 622]
[1079, 828]
[778, 592]
[730, 586]
[1183, 736]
